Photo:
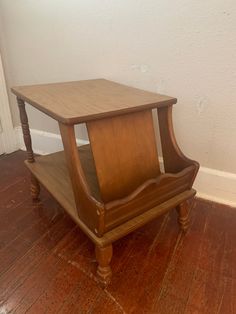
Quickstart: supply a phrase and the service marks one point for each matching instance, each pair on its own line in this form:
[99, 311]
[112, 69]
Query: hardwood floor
[47, 264]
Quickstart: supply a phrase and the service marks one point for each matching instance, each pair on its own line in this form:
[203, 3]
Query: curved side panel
[174, 159]
[125, 153]
[89, 209]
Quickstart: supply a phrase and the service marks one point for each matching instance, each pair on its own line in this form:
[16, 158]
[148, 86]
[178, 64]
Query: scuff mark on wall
[201, 105]
[143, 68]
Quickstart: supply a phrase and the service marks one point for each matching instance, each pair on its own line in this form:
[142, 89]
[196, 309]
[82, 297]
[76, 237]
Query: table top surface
[81, 101]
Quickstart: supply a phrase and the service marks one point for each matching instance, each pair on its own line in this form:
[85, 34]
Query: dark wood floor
[47, 264]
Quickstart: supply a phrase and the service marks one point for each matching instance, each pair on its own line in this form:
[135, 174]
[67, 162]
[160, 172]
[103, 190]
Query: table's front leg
[35, 187]
[104, 256]
[90, 211]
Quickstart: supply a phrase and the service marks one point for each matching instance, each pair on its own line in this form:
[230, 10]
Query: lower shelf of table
[52, 173]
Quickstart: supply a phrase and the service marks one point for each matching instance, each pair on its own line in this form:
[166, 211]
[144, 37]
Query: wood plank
[179, 275]
[81, 101]
[108, 302]
[17, 223]
[82, 299]
[214, 282]
[139, 263]
[51, 295]
[13, 196]
[26, 237]
[17, 274]
[7, 177]
[77, 270]
[26, 293]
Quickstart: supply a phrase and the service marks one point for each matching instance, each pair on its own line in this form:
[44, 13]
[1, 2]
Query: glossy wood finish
[77, 102]
[47, 263]
[132, 190]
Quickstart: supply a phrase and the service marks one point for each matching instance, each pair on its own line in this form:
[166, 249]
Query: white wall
[184, 48]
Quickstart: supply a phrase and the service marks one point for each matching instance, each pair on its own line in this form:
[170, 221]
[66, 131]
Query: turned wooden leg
[103, 256]
[25, 130]
[183, 216]
[35, 188]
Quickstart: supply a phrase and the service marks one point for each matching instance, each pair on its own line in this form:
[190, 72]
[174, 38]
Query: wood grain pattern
[81, 101]
[51, 267]
[52, 173]
[125, 153]
[132, 191]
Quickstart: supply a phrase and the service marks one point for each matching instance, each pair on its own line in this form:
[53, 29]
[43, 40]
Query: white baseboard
[44, 142]
[215, 185]
[211, 184]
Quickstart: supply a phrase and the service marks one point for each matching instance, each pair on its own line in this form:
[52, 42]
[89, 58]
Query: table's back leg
[35, 187]
[174, 159]
[183, 211]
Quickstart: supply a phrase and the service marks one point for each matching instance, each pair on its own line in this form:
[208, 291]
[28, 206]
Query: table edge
[97, 116]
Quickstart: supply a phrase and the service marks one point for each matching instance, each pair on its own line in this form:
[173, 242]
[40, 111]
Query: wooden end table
[113, 185]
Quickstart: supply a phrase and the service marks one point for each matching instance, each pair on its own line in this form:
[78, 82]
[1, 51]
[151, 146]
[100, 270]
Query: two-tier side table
[113, 185]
